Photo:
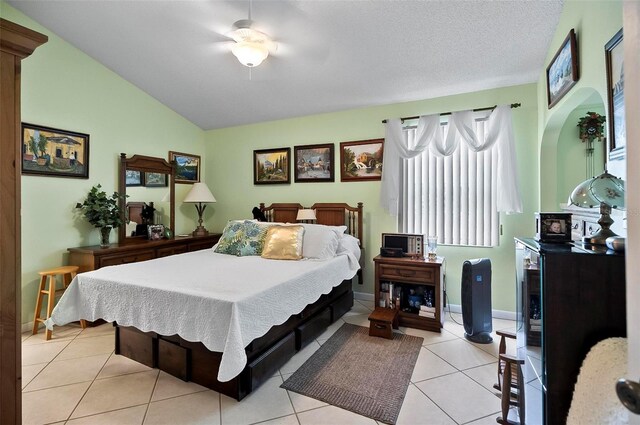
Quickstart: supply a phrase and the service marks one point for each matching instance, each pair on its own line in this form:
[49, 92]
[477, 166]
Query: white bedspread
[223, 301]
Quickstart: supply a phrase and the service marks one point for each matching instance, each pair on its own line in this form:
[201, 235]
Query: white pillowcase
[321, 242]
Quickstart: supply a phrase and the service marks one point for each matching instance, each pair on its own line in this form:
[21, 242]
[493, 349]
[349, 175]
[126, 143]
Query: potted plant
[102, 211]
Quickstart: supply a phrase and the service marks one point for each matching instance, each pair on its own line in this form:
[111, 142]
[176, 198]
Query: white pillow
[321, 242]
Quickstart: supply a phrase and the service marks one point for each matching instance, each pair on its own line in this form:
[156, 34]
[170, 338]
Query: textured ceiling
[332, 55]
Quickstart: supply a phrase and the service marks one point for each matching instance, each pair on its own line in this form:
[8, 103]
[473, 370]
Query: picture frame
[272, 166]
[156, 179]
[313, 163]
[53, 152]
[553, 227]
[133, 178]
[563, 71]
[155, 232]
[614, 58]
[187, 167]
[361, 160]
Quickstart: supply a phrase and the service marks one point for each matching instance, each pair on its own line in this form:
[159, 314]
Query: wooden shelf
[417, 274]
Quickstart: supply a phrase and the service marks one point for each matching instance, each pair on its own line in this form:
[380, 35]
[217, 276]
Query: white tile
[269, 401]
[331, 415]
[121, 365]
[368, 304]
[299, 358]
[115, 393]
[504, 324]
[331, 330]
[455, 328]
[418, 409]
[52, 404]
[64, 372]
[201, 408]
[60, 333]
[460, 397]
[29, 372]
[493, 347]
[128, 416]
[486, 376]
[428, 336]
[358, 309]
[429, 366]
[461, 354]
[487, 420]
[41, 353]
[85, 347]
[285, 420]
[102, 330]
[169, 386]
[357, 319]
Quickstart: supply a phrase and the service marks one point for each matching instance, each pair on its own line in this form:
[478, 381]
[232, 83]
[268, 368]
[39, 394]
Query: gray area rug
[361, 373]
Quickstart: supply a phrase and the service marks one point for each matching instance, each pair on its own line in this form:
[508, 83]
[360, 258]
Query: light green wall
[595, 22]
[64, 88]
[229, 156]
[571, 160]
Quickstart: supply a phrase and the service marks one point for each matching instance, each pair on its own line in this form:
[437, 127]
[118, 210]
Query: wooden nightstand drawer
[114, 260]
[417, 274]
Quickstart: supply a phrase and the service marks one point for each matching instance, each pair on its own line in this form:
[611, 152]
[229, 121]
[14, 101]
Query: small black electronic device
[411, 245]
[391, 252]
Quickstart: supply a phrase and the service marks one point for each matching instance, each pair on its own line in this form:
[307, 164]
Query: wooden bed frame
[192, 361]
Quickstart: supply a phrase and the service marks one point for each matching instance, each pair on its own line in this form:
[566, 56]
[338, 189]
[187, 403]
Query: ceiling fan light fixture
[250, 53]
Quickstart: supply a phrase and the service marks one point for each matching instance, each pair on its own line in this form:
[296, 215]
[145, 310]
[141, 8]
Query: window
[453, 197]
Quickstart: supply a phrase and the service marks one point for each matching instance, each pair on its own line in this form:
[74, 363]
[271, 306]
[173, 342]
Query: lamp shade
[306, 215]
[199, 193]
[605, 188]
[250, 53]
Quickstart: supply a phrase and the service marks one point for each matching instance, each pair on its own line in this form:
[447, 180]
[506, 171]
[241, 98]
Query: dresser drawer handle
[380, 326]
[592, 231]
[406, 273]
[575, 226]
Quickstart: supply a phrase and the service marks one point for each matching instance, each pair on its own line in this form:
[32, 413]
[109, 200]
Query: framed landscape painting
[187, 167]
[271, 166]
[615, 97]
[361, 160]
[562, 72]
[313, 163]
[156, 180]
[52, 152]
[133, 178]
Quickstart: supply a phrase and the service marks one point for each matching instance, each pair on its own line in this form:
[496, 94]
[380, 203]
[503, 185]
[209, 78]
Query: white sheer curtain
[461, 127]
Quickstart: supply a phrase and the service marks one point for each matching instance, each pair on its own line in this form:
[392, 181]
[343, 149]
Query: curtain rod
[488, 108]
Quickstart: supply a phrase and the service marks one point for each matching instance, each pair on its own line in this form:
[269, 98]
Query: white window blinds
[453, 197]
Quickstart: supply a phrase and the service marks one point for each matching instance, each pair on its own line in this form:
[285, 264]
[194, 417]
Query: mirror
[149, 185]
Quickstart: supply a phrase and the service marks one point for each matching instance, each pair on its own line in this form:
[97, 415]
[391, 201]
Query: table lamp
[605, 190]
[306, 215]
[200, 195]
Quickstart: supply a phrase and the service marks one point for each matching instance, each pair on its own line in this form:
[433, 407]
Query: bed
[230, 322]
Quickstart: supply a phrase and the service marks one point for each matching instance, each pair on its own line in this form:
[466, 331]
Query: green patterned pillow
[242, 238]
[253, 242]
[231, 239]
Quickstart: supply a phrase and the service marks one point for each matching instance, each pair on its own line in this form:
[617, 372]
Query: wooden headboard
[330, 214]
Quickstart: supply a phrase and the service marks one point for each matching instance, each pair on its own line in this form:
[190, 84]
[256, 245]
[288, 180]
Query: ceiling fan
[251, 46]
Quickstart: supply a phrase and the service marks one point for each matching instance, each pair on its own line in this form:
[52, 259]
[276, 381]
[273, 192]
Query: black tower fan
[476, 300]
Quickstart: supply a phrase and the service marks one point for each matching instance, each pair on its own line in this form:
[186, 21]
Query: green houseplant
[102, 211]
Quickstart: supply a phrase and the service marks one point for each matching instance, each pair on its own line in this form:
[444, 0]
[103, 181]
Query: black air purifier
[476, 300]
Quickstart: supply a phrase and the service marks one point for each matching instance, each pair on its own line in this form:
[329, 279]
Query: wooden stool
[67, 273]
[382, 320]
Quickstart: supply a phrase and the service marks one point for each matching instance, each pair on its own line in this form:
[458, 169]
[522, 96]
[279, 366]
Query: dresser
[569, 297]
[94, 257]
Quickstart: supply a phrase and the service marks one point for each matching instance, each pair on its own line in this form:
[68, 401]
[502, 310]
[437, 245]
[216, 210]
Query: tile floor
[77, 379]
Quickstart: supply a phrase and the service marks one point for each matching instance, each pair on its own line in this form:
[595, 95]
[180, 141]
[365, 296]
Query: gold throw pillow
[283, 243]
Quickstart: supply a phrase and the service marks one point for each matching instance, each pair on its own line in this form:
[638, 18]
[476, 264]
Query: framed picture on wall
[313, 163]
[562, 72]
[187, 167]
[615, 97]
[55, 153]
[133, 178]
[271, 166]
[156, 180]
[361, 160]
